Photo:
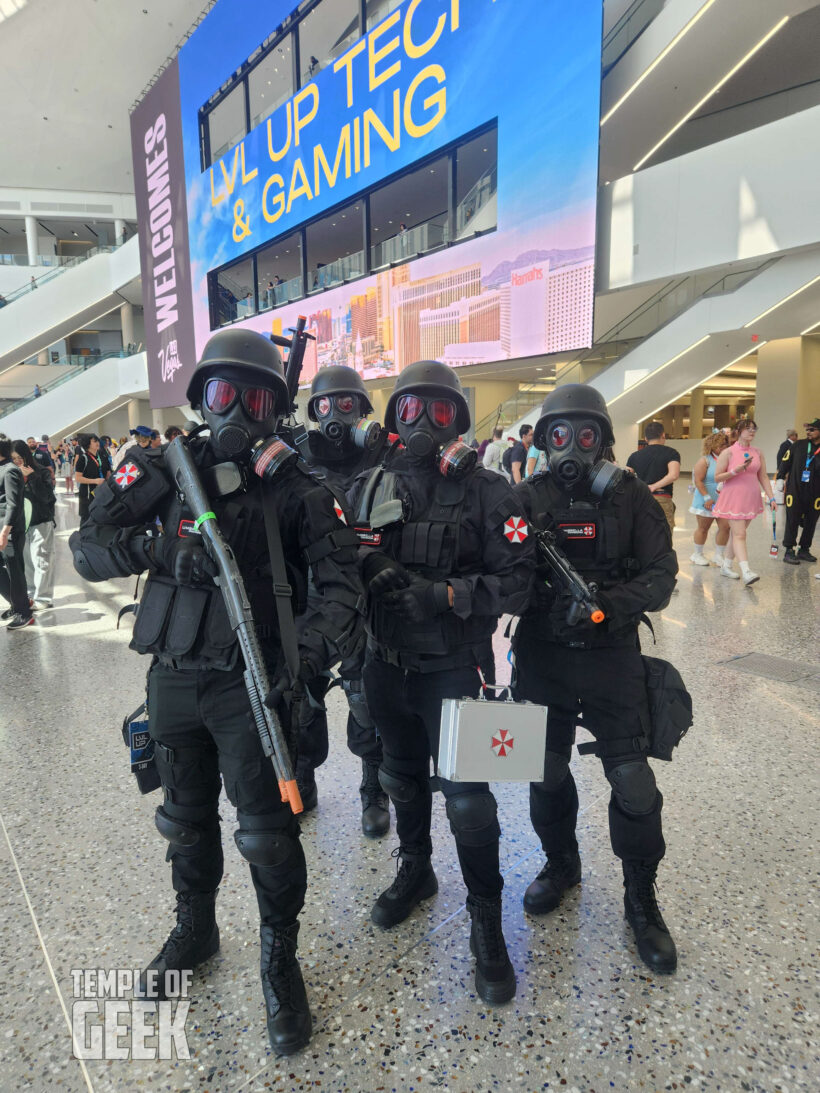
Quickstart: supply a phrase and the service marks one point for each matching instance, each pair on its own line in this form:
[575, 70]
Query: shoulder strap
[282, 590]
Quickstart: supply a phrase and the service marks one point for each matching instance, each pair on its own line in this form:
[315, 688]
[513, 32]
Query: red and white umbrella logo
[516, 529]
[337, 508]
[127, 475]
[502, 743]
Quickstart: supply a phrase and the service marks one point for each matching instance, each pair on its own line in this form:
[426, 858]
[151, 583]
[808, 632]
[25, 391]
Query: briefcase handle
[497, 687]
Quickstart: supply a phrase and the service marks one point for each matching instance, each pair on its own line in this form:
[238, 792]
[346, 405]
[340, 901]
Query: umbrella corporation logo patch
[107, 1025]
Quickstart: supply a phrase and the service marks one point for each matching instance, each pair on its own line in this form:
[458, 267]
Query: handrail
[107, 248]
[73, 370]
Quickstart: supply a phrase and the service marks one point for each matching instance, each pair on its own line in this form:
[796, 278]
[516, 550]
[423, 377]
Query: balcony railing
[65, 263]
[628, 29]
[76, 363]
[477, 197]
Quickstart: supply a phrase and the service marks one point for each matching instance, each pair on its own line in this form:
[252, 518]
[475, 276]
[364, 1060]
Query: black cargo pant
[362, 739]
[406, 707]
[13, 574]
[200, 721]
[803, 511]
[608, 687]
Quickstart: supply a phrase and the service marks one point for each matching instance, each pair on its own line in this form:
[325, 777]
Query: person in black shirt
[88, 471]
[659, 467]
[12, 541]
[520, 451]
[791, 437]
[800, 467]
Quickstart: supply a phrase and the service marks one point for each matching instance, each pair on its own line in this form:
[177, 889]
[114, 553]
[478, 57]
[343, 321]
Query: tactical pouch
[186, 617]
[152, 615]
[670, 707]
[219, 646]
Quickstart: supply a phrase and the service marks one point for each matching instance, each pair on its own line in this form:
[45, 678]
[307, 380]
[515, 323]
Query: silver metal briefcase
[500, 741]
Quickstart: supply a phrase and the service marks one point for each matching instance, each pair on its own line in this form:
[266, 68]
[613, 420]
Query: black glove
[184, 559]
[295, 694]
[382, 574]
[419, 600]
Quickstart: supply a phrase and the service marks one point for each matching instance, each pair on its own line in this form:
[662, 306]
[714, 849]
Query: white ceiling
[70, 71]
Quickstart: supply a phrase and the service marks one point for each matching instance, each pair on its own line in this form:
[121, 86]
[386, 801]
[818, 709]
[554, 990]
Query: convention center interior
[409, 475]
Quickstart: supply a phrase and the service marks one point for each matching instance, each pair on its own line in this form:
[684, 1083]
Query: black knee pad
[633, 786]
[402, 789]
[263, 841]
[473, 818]
[180, 833]
[556, 769]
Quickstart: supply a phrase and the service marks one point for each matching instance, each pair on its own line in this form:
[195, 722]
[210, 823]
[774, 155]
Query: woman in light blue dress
[704, 498]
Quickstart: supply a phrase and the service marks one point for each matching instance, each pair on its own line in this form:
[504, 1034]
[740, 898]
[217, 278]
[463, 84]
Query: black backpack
[506, 460]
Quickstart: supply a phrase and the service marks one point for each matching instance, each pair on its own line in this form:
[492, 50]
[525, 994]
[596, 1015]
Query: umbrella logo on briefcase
[502, 743]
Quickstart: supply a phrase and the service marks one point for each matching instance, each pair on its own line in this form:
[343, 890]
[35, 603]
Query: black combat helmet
[338, 379]
[255, 354]
[573, 399]
[429, 379]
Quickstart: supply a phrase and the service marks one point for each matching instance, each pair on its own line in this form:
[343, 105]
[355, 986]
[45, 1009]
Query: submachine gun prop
[291, 430]
[232, 587]
[568, 580]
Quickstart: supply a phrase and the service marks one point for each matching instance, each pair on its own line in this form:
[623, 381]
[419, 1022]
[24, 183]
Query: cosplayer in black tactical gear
[344, 445]
[800, 466]
[615, 535]
[444, 559]
[198, 707]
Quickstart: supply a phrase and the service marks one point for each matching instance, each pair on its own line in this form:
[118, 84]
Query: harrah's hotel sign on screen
[162, 217]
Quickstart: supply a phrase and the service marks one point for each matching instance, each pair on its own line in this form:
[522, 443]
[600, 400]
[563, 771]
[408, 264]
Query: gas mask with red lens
[239, 413]
[573, 446]
[427, 428]
[341, 422]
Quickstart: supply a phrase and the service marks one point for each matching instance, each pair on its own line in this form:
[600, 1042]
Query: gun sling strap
[281, 586]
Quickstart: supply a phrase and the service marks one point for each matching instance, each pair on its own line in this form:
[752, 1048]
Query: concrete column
[788, 390]
[32, 242]
[158, 420]
[127, 320]
[696, 403]
[133, 413]
[119, 230]
[43, 357]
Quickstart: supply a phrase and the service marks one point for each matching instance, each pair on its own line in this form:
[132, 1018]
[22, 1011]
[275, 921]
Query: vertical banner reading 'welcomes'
[162, 217]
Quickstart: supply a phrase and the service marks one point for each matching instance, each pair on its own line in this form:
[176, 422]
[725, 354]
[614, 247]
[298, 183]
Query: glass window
[279, 272]
[334, 248]
[409, 216]
[232, 293]
[271, 82]
[325, 34]
[378, 10]
[477, 184]
[226, 123]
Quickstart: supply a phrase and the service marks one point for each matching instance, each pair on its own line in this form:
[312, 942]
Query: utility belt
[466, 657]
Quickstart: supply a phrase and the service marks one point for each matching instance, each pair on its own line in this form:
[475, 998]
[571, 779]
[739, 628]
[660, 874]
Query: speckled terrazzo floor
[397, 1010]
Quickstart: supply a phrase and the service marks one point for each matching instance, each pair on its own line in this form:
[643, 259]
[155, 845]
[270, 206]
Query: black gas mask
[238, 413]
[427, 428]
[574, 446]
[341, 422]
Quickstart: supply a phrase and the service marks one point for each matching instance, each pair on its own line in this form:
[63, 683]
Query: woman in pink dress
[742, 470]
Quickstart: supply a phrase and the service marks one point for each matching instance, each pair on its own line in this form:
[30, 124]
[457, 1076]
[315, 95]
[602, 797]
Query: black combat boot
[375, 803]
[415, 881]
[805, 555]
[306, 784]
[655, 945]
[562, 871]
[193, 940]
[289, 1021]
[790, 558]
[494, 975]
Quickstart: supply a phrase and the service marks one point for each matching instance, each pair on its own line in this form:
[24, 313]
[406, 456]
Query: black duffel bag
[670, 707]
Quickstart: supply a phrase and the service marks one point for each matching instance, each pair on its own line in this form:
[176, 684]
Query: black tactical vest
[428, 543]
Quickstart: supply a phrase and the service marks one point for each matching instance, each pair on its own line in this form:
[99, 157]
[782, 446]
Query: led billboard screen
[417, 177]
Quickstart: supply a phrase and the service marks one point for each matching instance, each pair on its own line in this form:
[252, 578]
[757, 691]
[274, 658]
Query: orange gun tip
[597, 616]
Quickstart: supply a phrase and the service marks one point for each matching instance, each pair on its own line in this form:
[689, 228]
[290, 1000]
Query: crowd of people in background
[30, 471]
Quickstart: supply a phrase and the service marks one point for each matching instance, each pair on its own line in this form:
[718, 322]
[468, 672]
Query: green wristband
[201, 519]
